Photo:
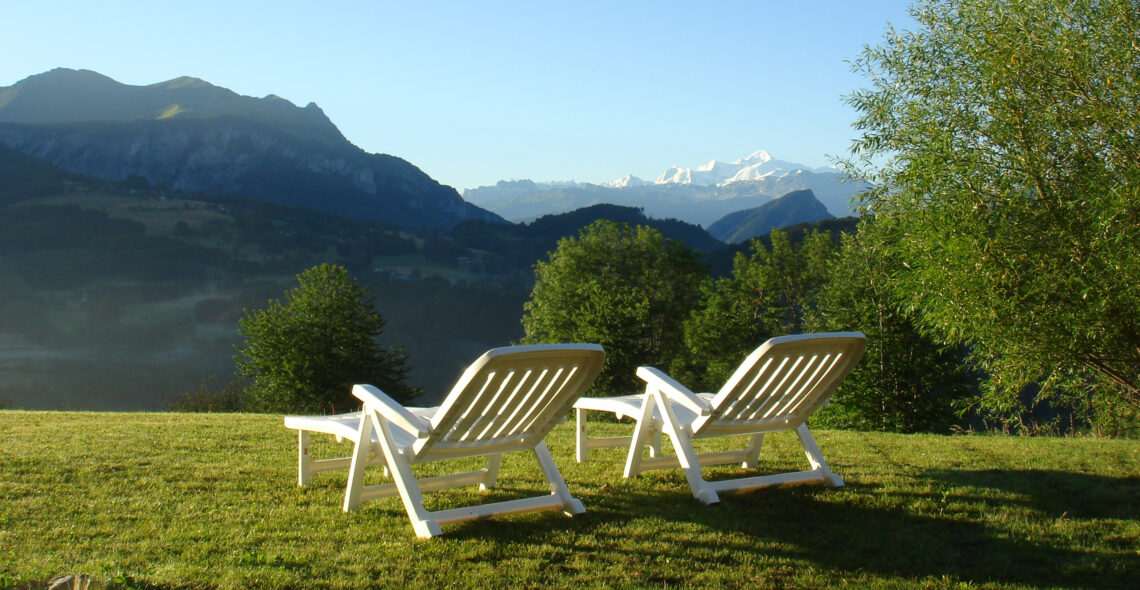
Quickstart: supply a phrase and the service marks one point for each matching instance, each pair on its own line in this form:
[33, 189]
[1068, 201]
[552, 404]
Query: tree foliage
[626, 288]
[305, 353]
[907, 382]
[1002, 137]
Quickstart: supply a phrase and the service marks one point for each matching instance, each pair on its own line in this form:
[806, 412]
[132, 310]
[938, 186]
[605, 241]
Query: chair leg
[581, 447]
[641, 436]
[815, 457]
[752, 453]
[686, 455]
[304, 459]
[570, 504]
[406, 484]
[358, 463]
[493, 463]
[655, 439]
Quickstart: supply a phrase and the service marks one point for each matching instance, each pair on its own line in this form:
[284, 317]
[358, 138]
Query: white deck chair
[776, 388]
[507, 400]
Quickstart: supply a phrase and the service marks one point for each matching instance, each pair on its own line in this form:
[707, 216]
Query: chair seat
[629, 406]
[346, 426]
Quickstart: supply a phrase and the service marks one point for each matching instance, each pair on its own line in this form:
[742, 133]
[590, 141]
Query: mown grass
[165, 500]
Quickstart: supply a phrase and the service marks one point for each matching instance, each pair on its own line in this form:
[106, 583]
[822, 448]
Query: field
[167, 500]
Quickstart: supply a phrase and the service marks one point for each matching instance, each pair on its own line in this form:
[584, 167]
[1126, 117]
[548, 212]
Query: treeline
[649, 300]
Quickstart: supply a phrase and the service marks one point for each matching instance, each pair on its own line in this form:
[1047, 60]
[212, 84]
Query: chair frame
[786, 399]
[506, 401]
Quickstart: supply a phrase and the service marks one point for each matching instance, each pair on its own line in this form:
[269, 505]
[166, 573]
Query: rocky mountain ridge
[189, 135]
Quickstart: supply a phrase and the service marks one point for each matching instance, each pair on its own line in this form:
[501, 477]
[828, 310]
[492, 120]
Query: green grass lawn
[164, 500]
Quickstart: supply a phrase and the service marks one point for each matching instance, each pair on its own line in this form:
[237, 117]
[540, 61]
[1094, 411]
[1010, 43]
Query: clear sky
[474, 92]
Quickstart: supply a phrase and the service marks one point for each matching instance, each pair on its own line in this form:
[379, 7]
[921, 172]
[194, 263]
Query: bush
[204, 398]
[305, 354]
[628, 289]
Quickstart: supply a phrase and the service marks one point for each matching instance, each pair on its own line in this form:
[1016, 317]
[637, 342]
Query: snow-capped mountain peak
[708, 166]
[757, 166]
[757, 157]
[627, 181]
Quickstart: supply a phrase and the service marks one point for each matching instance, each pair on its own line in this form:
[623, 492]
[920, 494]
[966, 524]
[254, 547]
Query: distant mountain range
[700, 195]
[189, 135]
[757, 166]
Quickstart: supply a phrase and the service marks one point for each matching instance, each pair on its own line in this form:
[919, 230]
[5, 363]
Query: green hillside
[210, 501]
[24, 177]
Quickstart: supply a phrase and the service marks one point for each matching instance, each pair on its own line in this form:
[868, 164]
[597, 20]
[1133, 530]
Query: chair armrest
[392, 410]
[673, 390]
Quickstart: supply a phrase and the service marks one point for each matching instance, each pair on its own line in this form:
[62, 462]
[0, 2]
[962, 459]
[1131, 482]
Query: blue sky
[474, 92]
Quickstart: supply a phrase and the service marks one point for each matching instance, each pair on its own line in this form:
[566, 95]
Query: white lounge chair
[507, 400]
[776, 388]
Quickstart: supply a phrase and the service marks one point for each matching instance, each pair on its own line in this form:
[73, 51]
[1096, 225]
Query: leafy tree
[626, 288]
[906, 382]
[305, 354]
[768, 294]
[1002, 137]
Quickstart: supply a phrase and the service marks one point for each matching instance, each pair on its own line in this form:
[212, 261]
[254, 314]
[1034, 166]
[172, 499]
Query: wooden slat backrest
[782, 382]
[511, 397]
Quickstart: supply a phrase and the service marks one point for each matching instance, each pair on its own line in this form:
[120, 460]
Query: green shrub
[305, 353]
[204, 398]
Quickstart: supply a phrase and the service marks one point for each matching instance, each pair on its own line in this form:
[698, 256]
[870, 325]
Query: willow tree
[907, 381]
[1002, 137]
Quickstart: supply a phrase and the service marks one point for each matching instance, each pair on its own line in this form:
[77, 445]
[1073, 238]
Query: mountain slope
[24, 177]
[520, 245]
[189, 135]
[116, 294]
[795, 207]
[570, 224]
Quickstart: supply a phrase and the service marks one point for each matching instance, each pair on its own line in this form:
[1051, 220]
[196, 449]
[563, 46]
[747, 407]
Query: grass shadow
[836, 530]
[1056, 493]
